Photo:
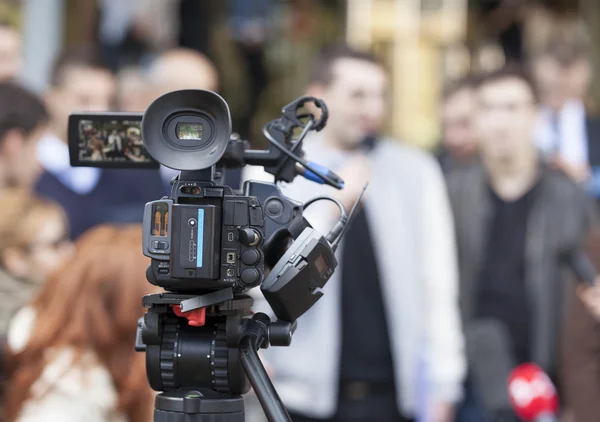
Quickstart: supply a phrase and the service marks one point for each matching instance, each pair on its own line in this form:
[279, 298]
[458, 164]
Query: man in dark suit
[90, 196]
[567, 134]
[514, 217]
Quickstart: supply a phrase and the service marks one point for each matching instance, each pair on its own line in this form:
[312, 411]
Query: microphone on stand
[581, 265]
[491, 360]
[532, 394]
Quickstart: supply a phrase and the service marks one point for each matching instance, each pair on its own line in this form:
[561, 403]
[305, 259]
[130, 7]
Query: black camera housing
[205, 237]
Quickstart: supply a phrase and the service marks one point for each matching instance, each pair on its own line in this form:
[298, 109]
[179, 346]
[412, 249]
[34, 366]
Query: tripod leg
[257, 375]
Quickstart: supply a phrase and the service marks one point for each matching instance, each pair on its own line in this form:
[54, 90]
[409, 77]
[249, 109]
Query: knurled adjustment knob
[249, 237]
[167, 352]
[219, 359]
[250, 257]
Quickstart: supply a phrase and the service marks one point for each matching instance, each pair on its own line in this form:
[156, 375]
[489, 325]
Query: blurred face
[558, 83]
[133, 95]
[83, 90]
[49, 248]
[46, 251]
[505, 118]
[18, 158]
[457, 122]
[182, 70]
[10, 53]
[27, 168]
[356, 100]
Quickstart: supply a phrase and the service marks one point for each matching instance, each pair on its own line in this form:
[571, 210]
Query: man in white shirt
[384, 343]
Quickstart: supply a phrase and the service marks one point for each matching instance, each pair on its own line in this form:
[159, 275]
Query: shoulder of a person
[85, 379]
[569, 198]
[407, 155]
[561, 184]
[71, 391]
[464, 176]
[20, 328]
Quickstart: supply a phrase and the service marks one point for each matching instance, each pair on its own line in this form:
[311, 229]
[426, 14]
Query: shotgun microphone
[581, 265]
[490, 357]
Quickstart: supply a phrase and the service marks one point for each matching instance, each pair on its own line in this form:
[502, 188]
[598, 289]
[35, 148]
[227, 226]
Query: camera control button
[250, 276]
[274, 207]
[160, 246]
[249, 237]
[250, 257]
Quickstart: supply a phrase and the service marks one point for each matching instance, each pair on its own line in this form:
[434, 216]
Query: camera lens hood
[187, 129]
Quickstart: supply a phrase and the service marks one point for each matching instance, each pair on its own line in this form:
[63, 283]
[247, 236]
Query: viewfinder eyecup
[187, 130]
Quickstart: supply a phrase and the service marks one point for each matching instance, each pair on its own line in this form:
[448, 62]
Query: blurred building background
[263, 50]
[424, 42]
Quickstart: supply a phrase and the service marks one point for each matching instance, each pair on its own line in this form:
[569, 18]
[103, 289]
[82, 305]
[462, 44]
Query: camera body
[209, 244]
[206, 237]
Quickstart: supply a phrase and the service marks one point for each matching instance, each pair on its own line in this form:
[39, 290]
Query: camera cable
[337, 232]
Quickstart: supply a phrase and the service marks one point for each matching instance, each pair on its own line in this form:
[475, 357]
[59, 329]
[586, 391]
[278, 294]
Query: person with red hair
[72, 354]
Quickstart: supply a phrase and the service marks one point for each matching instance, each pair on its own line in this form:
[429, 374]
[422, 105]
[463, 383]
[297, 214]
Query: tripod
[202, 356]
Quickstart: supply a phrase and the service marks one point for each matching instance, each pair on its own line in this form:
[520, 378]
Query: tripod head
[215, 352]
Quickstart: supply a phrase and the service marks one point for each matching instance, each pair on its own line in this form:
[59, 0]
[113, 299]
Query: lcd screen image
[117, 141]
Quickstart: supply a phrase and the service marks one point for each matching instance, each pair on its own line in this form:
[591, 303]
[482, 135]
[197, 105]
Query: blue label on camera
[200, 238]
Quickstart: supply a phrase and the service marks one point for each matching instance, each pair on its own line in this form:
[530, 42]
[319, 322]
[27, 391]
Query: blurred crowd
[452, 271]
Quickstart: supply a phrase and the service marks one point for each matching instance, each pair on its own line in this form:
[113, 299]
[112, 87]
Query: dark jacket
[558, 222]
[580, 365]
[118, 198]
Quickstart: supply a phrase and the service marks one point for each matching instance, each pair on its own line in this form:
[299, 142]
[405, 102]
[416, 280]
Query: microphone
[581, 265]
[490, 357]
[532, 394]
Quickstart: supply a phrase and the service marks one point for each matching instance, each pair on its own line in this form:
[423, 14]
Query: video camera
[209, 244]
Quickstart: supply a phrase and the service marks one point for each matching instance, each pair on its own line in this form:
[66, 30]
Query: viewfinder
[190, 131]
